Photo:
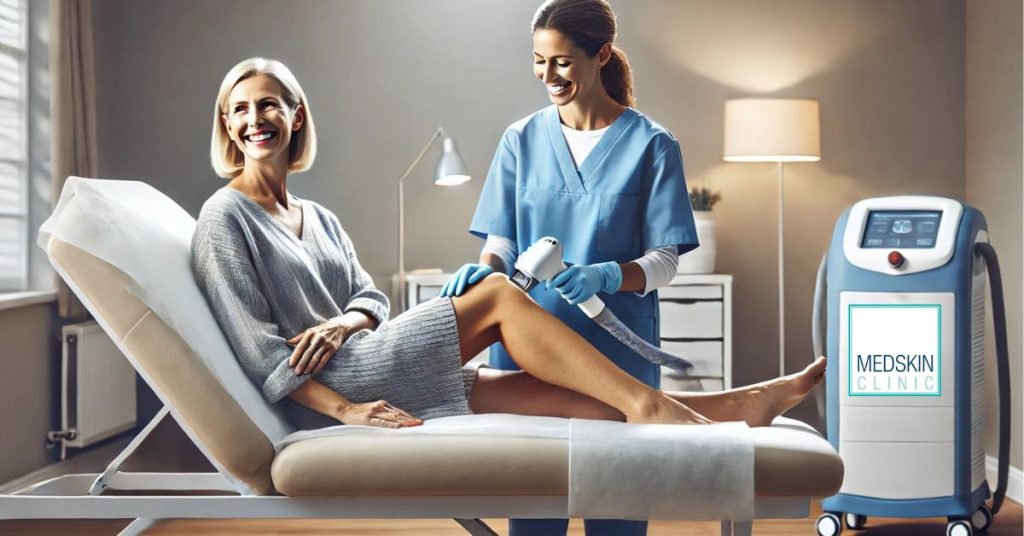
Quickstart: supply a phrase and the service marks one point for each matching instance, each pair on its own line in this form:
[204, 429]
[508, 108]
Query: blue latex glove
[579, 283]
[469, 274]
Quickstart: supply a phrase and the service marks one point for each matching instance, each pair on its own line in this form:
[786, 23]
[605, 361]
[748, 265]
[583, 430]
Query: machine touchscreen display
[901, 229]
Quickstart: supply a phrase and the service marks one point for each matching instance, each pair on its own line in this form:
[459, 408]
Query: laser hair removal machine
[905, 303]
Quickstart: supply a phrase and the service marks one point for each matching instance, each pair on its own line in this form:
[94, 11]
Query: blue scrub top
[629, 196]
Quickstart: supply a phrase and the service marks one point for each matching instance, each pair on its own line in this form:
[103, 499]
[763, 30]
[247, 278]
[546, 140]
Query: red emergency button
[896, 259]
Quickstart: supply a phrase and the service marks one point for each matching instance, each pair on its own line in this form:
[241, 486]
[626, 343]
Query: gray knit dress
[266, 285]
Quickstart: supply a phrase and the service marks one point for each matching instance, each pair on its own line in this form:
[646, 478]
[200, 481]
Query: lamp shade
[772, 130]
[451, 170]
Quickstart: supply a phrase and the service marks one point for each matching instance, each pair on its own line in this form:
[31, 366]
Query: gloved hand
[469, 274]
[579, 283]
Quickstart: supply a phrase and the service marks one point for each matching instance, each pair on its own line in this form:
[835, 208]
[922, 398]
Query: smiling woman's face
[566, 70]
[259, 120]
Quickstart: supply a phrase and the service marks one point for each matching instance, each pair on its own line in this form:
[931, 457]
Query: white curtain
[72, 109]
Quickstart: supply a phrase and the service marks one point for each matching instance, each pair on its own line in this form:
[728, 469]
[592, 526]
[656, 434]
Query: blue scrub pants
[592, 527]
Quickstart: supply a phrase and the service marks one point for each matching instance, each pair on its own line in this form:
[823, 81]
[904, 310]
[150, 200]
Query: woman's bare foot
[665, 410]
[760, 403]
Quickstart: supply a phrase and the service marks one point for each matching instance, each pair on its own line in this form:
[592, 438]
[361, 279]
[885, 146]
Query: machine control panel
[901, 229]
[902, 234]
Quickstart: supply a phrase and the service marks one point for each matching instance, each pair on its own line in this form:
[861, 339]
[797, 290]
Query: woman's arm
[499, 253]
[633, 278]
[654, 270]
[321, 399]
[315, 346]
[494, 262]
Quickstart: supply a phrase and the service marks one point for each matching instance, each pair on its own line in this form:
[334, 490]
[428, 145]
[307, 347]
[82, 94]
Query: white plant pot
[702, 259]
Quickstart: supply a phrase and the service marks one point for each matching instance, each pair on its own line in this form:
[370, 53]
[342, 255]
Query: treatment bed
[123, 248]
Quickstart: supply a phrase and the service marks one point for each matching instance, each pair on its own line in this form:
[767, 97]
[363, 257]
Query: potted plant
[702, 259]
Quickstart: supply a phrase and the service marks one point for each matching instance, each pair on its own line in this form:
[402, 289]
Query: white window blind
[14, 147]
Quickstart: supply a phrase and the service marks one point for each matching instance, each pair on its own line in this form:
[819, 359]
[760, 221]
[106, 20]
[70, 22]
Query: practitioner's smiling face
[259, 120]
[567, 71]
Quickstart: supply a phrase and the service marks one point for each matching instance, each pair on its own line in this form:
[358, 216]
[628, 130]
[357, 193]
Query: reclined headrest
[146, 235]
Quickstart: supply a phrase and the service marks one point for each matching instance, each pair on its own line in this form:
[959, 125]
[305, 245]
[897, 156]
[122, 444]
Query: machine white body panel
[897, 470]
[865, 423]
[897, 445]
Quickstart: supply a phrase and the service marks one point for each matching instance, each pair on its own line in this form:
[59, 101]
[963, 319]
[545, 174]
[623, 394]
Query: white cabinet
[421, 287]
[696, 324]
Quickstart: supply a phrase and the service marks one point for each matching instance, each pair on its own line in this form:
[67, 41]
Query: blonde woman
[312, 332]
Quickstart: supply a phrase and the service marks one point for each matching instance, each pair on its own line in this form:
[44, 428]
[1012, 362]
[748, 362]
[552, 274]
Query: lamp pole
[782, 283]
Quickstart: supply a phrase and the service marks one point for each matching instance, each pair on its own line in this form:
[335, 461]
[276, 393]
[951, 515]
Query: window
[24, 144]
[13, 145]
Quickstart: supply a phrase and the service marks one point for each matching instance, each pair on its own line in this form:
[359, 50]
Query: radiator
[97, 387]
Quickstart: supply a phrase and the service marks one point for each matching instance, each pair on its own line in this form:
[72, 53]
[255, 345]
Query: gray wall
[29, 382]
[995, 171]
[382, 75]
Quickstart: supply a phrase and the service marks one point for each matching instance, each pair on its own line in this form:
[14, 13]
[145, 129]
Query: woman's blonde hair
[226, 158]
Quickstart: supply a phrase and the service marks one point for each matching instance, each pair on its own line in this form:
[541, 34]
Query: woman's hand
[379, 413]
[317, 345]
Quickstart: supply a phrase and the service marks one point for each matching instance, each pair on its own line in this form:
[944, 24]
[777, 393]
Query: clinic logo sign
[894, 350]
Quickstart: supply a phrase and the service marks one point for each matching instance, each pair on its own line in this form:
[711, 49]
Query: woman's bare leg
[757, 404]
[503, 391]
[565, 376]
[508, 391]
[495, 310]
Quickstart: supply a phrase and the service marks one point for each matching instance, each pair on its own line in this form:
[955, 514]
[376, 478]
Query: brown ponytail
[617, 78]
[590, 24]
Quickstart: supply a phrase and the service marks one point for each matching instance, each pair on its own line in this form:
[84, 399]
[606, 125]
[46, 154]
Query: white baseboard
[1014, 483]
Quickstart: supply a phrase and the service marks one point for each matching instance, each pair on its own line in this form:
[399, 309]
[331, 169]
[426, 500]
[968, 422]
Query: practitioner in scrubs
[603, 178]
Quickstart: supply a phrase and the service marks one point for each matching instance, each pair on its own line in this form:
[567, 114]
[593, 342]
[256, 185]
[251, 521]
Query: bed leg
[737, 528]
[137, 527]
[104, 478]
[475, 527]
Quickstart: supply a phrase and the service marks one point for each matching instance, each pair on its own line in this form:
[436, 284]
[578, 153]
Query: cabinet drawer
[697, 320]
[669, 383]
[690, 292]
[706, 356]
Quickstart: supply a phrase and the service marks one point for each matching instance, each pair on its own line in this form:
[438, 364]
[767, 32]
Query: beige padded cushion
[788, 462]
[216, 419]
[372, 465]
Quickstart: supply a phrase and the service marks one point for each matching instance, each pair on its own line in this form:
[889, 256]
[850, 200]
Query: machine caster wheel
[829, 525]
[856, 521]
[959, 527]
[982, 519]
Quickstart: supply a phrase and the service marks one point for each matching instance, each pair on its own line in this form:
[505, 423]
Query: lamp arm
[437, 134]
[401, 217]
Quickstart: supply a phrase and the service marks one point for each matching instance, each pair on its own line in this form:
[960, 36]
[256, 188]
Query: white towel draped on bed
[660, 471]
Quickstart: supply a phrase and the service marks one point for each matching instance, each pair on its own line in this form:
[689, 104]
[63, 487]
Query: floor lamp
[773, 130]
[450, 171]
